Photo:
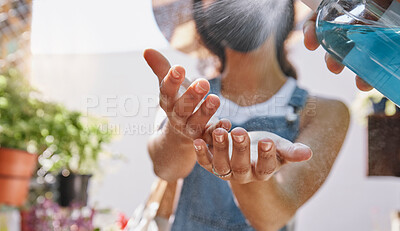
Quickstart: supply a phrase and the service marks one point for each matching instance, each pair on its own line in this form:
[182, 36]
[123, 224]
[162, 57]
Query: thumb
[287, 151]
[294, 152]
[157, 62]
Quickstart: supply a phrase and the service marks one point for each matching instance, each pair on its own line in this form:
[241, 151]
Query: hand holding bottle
[311, 42]
[362, 35]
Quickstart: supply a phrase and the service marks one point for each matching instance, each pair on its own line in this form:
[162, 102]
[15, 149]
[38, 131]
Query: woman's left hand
[273, 152]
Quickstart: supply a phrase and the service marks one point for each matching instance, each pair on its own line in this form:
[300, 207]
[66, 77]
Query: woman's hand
[180, 109]
[171, 149]
[311, 43]
[273, 153]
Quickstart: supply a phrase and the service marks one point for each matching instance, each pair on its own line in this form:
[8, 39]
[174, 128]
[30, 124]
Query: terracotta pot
[384, 145]
[16, 168]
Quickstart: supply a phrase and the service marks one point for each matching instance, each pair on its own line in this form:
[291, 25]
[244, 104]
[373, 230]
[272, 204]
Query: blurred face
[242, 25]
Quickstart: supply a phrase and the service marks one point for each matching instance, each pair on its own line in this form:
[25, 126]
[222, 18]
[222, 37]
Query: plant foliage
[64, 138]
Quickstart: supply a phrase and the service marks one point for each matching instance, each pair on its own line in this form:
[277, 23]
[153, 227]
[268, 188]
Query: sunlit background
[92, 49]
[90, 26]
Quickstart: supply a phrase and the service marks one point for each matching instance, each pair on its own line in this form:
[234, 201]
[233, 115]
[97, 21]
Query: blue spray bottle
[364, 35]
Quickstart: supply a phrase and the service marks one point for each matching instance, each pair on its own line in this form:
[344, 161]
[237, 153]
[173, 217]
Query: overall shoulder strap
[215, 85]
[299, 98]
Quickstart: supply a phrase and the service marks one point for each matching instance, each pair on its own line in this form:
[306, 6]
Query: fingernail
[266, 146]
[197, 147]
[326, 57]
[199, 89]
[219, 138]
[209, 104]
[238, 139]
[176, 74]
[307, 26]
[225, 127]
[298, 146]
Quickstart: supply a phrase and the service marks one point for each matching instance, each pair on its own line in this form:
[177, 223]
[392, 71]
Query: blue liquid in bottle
[373, 53]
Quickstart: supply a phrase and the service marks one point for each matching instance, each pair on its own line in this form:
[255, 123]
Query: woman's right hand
[180, 109]
[249, 156]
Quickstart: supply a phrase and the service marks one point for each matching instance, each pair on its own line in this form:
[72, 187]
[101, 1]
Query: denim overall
[206, 202]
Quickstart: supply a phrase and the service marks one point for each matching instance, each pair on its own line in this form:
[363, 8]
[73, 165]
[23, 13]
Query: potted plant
[20, 137]
[68, 143]
[75, 143]
[75, 146]
[383, 120]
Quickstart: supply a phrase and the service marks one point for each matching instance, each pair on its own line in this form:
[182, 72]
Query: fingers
[188, 102]
[310, 36]
[267, 162]
[333, 65]
[221, 152]
[362, 85]
[311, 42]
[292, 152]
[169, 87]
[286, 151]
[273, 152]
[157, 62]
[204, 157]
[196, 123]
[223, 123]
[169, 78]
[240, 162]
